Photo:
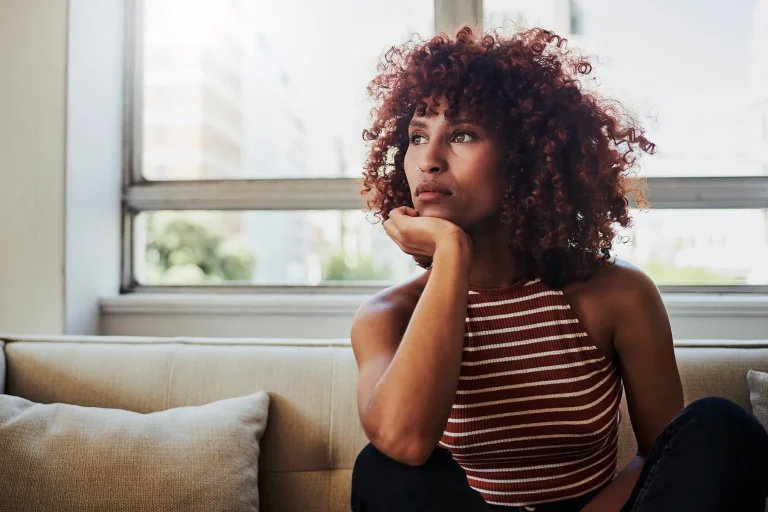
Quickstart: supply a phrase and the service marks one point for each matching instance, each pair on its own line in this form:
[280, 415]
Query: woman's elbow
[405, 449]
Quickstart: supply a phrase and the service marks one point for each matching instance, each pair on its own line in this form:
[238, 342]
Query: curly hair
[568, 152]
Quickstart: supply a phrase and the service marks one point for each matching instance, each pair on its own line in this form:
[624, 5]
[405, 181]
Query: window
[699, 247]
[244, 138]
[765, 127]
[657, 60]
[299, 248]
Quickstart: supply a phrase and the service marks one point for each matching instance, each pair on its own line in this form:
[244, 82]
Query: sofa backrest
[313, 433]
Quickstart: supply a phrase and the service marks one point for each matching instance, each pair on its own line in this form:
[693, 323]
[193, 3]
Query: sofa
[313, 434]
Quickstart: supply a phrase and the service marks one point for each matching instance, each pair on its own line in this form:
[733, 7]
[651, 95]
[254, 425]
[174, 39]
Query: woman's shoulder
[619, 282]
[612, 281]
[393, 304]
[611, 296]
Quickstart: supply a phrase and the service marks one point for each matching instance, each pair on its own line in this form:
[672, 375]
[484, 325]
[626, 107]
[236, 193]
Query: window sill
[235, 304]
[677, 304]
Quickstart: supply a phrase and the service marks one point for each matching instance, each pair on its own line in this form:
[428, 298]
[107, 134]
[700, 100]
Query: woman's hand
[421, 236]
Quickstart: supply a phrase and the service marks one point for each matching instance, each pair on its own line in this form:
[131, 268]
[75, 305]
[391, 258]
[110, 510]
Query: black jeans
[712, 457]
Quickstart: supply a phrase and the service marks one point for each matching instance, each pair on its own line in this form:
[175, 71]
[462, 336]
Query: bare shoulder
[613, 296]
[622, 281]
[634, 300]
[388, 311]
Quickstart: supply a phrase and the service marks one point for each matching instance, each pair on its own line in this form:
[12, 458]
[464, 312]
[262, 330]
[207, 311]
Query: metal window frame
[133, 59]
[140, 195]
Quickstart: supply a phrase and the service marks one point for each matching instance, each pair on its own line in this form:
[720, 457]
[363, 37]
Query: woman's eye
[463, 137]
[460, 137]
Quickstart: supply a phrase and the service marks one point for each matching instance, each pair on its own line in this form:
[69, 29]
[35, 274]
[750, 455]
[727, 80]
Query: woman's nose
[429, 168]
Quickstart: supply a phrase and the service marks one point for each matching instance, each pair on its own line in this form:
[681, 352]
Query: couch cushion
[147, 376]
[719, 368]
[70, 458]
[314, 432]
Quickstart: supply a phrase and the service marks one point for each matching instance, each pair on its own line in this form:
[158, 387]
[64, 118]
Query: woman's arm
[643, 344]
[407, 386]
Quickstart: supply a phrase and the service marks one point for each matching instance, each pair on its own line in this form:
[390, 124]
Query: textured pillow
[69, 458]
[758, 395]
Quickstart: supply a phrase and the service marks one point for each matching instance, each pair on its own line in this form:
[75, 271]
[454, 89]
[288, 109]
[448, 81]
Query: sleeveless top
[536, 414]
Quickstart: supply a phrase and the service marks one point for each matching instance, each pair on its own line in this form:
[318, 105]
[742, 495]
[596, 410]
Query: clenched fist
[420, 236]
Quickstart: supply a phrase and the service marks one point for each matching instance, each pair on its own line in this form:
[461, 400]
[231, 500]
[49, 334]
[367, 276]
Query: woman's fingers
[391, 229]
[396, 212]
[394, 232]
[403, 211]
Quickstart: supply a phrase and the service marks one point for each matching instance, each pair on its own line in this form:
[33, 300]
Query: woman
[493, 380]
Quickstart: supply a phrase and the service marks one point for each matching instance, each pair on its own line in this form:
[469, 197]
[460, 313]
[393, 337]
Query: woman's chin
[433, 211]
[439, 213]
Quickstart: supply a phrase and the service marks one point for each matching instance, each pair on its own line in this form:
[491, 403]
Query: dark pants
[712, 457]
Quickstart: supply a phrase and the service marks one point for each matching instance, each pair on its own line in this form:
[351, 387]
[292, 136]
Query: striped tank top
[536, 414]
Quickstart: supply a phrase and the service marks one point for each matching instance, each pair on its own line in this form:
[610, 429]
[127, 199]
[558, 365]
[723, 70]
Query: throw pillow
[758, 395]
[70, 458]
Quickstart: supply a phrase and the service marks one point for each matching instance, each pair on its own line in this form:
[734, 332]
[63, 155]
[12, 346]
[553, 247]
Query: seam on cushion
[170, 377]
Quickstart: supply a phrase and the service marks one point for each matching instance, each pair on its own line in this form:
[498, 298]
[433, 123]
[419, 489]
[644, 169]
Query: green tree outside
[668, 274]
[186, 248]
[339, 268]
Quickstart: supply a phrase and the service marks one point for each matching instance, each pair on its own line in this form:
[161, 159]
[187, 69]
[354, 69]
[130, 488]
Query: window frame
[140, 194]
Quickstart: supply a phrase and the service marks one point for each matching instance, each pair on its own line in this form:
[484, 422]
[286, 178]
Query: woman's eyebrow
[415, 123]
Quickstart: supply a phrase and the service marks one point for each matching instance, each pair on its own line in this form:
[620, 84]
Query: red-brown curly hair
[568, 152]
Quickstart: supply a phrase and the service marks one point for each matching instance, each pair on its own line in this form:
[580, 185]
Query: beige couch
[313, 435]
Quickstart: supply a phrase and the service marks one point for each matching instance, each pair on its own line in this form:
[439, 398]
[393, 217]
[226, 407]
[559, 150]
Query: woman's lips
[430, 191]
[428, 197]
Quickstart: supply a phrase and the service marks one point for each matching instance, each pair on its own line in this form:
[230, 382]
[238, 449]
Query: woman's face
[454, 169]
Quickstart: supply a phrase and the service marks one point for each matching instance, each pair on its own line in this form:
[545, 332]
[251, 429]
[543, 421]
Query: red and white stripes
[535, 417]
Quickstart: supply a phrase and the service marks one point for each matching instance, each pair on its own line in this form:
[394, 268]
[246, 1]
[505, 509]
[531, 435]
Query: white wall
[60, 157]
[94, 158]
[33, 88]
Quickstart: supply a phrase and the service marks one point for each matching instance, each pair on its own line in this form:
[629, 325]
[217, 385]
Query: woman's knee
[720, 420]
[376, 476]
[720, 414]
[438, 484]
[372, 463]
[369, 458]
[368, 462]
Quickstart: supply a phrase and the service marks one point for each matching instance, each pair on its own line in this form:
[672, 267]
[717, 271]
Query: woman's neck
[493, 264]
